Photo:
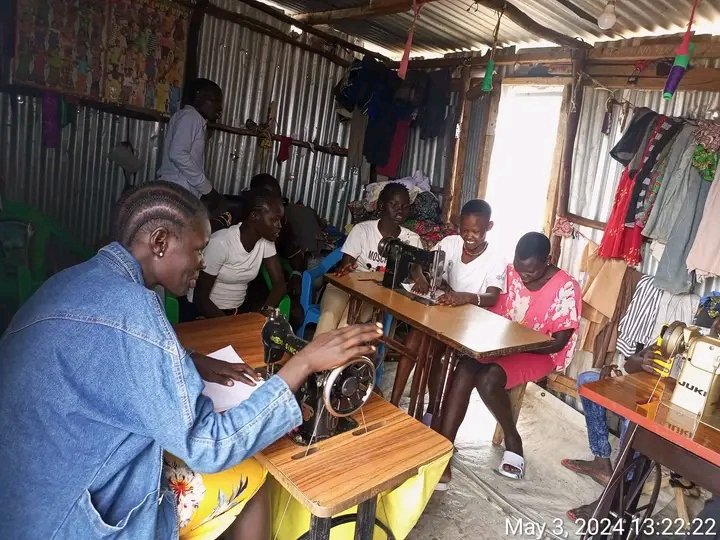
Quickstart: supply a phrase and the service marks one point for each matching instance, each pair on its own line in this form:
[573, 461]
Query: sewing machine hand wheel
[348, 387]
[673, 340]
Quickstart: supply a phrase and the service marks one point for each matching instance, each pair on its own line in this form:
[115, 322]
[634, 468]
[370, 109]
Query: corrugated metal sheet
[300, 83]
[455, 25]
[431, 155]
[474, 154]
[74, 183]
[595, 174]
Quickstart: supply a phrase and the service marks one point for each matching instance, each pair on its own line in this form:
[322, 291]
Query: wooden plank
[556, 166]
[457, 163]
[310, 29]
[263, 28]
[586, 222]
[488, 140]
[546, 55]
[538, 81]
[567, 153]
[603, 53]
[531, 25]
[364, 11]
[562, 384]
[701, 79]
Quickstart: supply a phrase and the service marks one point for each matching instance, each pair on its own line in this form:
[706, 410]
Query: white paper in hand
[227, 397]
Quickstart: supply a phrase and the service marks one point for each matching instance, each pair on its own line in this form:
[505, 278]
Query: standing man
[183, 159]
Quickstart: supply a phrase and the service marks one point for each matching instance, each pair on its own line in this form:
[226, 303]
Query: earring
[161, 254]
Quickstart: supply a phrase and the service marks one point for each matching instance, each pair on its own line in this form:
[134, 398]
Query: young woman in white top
[360, 253]
[474, 274]
[233, 257]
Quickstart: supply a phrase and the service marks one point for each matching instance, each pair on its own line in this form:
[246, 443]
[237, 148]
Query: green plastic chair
[284, 305]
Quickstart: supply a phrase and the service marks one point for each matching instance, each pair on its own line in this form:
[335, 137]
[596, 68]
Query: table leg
[354, 307]
[424, 376]
[365, 526]
[319, 528]
[446, 378]
[615, 485]
[417, 394]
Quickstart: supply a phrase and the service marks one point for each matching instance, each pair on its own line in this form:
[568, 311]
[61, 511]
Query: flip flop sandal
[570, 466]
[513, 460]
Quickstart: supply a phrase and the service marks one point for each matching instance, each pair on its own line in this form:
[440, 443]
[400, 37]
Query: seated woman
[474, 274]
[360, 253]
[119, 390]
[539, 296]
[233, 258]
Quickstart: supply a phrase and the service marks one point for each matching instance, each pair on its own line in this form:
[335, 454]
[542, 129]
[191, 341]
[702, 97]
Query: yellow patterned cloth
[399, 509]
[207, 504]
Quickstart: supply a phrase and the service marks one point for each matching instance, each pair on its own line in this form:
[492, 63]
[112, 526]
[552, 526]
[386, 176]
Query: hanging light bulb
[607, 18]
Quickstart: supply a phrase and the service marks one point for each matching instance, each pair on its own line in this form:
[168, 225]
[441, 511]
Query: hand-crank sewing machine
[327, 399]
[401, 258]
[694, 359]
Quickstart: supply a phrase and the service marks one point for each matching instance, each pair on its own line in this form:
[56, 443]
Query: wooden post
[193, 42]
[492, 104]
[563, 198]
[457, 164]
[556, 167]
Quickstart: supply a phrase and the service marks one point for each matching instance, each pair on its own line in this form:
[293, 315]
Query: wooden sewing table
[662, 434]
[346, 470]
[468, 330]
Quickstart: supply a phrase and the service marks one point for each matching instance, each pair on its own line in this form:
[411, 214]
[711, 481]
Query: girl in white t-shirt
[474, 274]
[234, 255]
[360, 253]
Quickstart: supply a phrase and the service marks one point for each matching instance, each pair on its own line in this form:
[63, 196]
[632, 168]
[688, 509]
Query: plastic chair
[307, 293]
[284, 305]
[172, 308]
[380, 358]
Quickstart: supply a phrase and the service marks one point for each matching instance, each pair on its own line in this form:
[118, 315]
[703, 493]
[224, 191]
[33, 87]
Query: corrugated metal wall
[431, 155]
[595, 174]
[77, 185]
[474, 151]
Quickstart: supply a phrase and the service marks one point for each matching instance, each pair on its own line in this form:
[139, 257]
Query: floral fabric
[207, 504]
[553, 308]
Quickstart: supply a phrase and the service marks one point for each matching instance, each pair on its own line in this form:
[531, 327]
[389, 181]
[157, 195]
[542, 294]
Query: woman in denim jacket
[95, 387]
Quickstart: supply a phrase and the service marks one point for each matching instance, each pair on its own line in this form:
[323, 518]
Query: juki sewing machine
[400, 259]
[694, 360]
[327, 399]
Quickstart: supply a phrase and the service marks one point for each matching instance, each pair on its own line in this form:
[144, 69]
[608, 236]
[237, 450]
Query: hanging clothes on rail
[673, 273]
[704, 256]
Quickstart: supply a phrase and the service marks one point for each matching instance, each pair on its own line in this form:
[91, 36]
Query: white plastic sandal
[513, 460]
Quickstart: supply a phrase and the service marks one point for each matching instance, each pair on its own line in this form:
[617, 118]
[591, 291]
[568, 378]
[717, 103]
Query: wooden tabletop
[469, 329]
[347, 469]
[628, 397]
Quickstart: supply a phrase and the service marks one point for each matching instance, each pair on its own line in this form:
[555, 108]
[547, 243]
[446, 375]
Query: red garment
[612, 245]
[284, 150]
[400, 136]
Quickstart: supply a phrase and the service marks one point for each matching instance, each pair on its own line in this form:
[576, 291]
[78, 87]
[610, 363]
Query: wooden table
[662, 434]
[349, 469]
[467, 329]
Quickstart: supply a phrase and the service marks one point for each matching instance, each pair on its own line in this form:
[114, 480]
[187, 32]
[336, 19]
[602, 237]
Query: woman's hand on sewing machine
[221, 372]
[330, 350]
[454, 298]
[421, 285]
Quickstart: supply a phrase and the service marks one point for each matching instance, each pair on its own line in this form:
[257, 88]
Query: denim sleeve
[183, 422]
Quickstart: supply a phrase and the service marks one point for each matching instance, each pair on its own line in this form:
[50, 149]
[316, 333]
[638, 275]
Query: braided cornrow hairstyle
[148, 206]
[256, 199]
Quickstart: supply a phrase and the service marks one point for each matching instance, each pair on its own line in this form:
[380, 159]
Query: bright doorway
[522, 161]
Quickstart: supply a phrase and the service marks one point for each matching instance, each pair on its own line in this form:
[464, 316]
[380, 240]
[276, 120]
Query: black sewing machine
[327, 399]
[400, 259]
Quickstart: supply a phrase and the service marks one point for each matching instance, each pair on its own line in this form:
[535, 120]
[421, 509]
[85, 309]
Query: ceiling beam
[531, 25]
[371, 9]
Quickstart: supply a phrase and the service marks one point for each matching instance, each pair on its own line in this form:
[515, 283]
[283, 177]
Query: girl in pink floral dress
[542, 297]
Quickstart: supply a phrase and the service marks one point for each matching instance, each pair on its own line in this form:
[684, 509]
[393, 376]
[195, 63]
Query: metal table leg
[319, 528]
[449, 361]
[365, 526]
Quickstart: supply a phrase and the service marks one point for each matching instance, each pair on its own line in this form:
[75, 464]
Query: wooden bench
[516, 398]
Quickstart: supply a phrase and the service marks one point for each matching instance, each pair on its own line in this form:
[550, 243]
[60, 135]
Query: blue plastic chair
[307, 293]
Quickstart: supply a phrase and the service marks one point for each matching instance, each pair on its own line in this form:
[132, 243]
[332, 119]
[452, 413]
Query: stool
[516, 397]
